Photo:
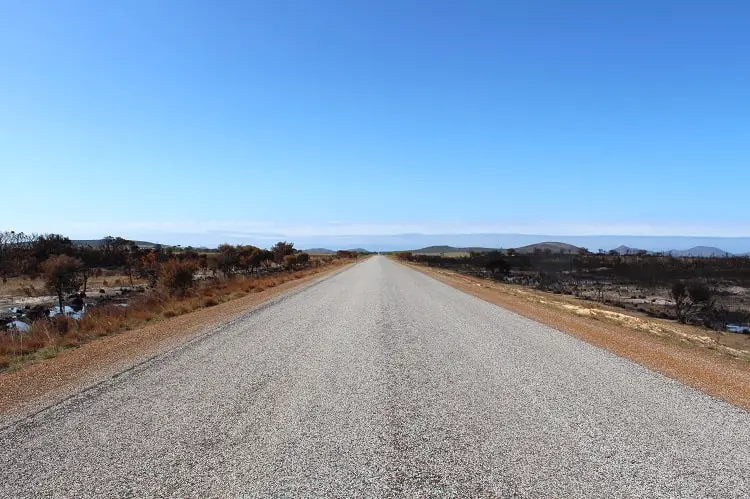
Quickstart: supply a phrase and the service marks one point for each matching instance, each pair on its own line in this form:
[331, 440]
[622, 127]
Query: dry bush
[62, 324]
[290, 261]
[178, 277]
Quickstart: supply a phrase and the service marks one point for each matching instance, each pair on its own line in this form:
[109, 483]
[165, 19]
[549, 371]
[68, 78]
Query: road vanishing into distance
[380, 381]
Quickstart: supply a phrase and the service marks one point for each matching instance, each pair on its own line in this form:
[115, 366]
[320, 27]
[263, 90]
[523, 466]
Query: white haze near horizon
[403, 236]
[393, 242]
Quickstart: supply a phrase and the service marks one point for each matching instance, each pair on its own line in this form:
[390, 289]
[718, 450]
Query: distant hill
[555, 247]
[700, 251]
[326, 251]
[627, 250]
[97, 243]
[319, 251]
[436, 250]
[696, 252]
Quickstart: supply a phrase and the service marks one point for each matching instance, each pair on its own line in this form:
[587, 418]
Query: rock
[76, 303]
[19, 326]
[55, 311]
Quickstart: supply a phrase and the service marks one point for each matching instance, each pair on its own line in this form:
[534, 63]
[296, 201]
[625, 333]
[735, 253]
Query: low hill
[555, 247]
[627, 250]
[97, 243]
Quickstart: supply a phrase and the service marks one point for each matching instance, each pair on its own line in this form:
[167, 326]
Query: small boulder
[76, 303]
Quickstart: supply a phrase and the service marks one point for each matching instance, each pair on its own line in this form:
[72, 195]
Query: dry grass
[23, 286]
[46, 338]
[18, 286]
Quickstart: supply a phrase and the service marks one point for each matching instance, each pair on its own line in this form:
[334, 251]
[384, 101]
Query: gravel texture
[382, 381]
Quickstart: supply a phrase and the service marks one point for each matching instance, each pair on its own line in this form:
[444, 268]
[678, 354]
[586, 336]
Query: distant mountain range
[700, 251]
[430, 250]
[557, 247]
[523, 243]
[97, 243]
[696, 251]
[326, 251]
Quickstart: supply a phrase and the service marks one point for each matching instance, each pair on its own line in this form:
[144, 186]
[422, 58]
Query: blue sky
[200, 122]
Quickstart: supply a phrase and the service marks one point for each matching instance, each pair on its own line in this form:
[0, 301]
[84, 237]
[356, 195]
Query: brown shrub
[177, 277]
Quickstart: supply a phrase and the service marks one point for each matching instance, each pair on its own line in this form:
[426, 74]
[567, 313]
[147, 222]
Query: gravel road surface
[380, 381]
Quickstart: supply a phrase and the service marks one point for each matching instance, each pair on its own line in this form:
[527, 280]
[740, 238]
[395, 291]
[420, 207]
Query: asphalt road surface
[380, 381]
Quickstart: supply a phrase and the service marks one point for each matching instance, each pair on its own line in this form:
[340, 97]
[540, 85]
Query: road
[380, 381]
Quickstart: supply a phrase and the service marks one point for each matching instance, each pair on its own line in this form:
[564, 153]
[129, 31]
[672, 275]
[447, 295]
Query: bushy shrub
[693, 300]
[303, 259]
[281, 249]
[177, 277]
[290, 261]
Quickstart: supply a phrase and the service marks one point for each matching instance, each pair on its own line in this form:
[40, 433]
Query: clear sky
[224, 120]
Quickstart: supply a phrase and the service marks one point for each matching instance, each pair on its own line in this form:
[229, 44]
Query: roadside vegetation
[713, 292]
[139, 285]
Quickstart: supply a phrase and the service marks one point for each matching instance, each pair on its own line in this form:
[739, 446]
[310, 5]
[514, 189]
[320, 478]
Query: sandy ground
[46, 382]
[685, 353]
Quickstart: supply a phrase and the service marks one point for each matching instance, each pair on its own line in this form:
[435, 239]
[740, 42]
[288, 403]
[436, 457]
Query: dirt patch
[43, 383]
[685, 353]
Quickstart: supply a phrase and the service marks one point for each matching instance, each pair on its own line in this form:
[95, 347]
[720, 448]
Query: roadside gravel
[381, 381]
